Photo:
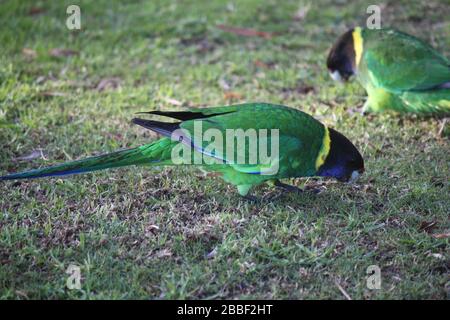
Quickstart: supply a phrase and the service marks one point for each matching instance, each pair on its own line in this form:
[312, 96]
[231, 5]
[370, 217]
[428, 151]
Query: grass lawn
[151, 233]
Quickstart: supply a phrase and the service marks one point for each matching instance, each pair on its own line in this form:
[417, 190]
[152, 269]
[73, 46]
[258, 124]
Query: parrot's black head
[343, 162]
[341, 59]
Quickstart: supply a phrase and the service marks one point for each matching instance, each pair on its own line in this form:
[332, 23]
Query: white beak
[336, 76]
[355, 175]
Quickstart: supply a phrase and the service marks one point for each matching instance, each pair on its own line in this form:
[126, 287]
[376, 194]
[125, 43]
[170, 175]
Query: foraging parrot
[399, 72]
[306, 147]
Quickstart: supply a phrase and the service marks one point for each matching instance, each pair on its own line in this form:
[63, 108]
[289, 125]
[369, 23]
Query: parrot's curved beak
[355, 175]
[336, 76]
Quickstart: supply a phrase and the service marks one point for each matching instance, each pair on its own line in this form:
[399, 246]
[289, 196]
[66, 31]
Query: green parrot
[398, 71]
[306, 147]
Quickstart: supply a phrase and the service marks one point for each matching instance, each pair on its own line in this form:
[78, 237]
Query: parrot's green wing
[299, 136]
[399, 62]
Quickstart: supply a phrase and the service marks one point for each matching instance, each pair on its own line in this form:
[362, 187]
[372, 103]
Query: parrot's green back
[401, 72]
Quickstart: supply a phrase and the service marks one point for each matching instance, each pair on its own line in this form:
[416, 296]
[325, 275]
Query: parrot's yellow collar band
[358, 43]
[325, 149]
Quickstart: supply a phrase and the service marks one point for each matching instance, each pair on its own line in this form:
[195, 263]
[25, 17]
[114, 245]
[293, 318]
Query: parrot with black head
[306, 147]
[398, 71]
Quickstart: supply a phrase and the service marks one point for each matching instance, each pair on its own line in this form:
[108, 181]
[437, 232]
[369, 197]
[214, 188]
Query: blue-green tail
[158, 152]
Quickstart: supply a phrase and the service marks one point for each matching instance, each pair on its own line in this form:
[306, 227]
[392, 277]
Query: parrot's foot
[287, 187]
[250, 198]
[290, 188]
[374, 106]
[313, 190]
[364, 112]
[366, 109]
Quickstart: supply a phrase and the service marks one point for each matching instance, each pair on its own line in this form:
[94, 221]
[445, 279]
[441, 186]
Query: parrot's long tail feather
[158, 152]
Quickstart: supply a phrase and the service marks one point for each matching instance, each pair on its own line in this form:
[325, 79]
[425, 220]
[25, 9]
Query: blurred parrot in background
[399, 72]
[306, 147]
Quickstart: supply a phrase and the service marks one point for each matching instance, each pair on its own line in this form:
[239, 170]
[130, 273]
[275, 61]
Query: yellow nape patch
[324, 150]
[358, 43]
